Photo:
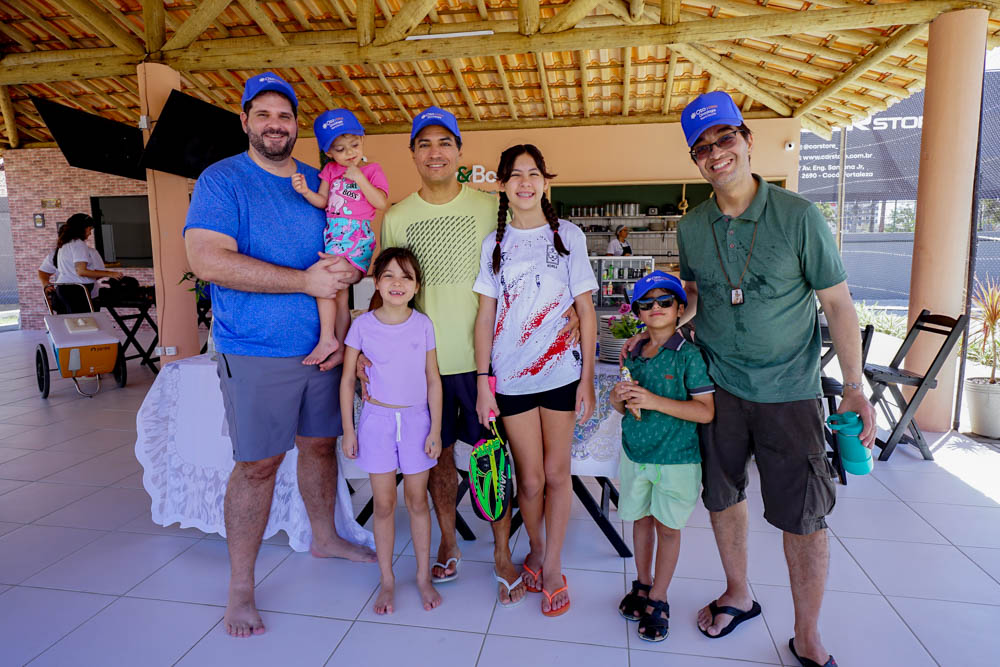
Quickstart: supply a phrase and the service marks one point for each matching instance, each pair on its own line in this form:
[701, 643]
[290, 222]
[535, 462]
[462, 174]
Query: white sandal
[510, 604]
[444, 566]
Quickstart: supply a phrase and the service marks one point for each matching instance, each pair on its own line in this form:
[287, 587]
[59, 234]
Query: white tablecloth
[186, 455]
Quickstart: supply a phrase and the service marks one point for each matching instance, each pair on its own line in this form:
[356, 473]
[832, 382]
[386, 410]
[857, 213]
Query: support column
[176, 314]
[955, 61]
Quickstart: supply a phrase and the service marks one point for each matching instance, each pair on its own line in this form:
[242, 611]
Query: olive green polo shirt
[678, 372]
[767, 349]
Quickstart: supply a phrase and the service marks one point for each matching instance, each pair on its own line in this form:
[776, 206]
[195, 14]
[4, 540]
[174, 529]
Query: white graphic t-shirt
[533, 289]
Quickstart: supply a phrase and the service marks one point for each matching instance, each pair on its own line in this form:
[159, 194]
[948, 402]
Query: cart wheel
[120, 372]
[42, 370]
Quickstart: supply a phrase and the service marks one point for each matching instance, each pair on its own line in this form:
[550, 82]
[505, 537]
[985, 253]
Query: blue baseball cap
[709, 110]
[331, 124]
[268, 81]
[661, 280]
[435, 116]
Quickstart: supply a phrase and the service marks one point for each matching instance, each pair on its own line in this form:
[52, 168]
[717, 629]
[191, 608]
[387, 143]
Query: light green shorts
[667, 492]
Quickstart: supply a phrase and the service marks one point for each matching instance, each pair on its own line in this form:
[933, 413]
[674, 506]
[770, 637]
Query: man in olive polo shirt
[754, 258]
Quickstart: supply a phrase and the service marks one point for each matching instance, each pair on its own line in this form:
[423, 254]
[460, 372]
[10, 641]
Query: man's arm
[214, 257]
[846, 334]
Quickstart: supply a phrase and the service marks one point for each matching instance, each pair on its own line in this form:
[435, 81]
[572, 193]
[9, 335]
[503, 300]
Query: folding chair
[891, 377]
[833, 391]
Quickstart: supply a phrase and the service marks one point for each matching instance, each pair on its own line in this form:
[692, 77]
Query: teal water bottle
[857, 458]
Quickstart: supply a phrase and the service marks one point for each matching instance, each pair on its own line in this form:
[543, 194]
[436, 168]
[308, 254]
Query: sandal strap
[659, 607]
[731, 611]
[638, 586]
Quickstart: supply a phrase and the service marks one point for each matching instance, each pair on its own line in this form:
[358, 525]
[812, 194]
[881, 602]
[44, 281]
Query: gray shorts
[270, 400]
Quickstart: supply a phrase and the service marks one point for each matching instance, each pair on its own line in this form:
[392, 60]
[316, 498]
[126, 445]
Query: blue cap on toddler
[331, 124]
[707, 111]
[658, 280]
[268, 81]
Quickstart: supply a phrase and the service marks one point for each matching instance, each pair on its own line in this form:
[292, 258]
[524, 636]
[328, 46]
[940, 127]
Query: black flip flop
[806, 662]
[738, 617]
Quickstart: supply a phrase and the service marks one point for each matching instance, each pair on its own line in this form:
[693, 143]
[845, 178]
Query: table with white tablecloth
[184, 447]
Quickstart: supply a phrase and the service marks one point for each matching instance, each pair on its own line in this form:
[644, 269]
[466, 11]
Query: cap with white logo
[331, 124]
[709, 110]
[435, 116]
[268, 81]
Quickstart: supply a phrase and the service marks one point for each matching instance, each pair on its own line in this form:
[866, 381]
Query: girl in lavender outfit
[352, 191]
[400, 423]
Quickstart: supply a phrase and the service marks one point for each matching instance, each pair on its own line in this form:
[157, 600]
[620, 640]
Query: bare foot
[509, 573]
[334, 360]
[385, 599]
[444, 554]
[241, 618]
[554, 583]
[811, 650]
[534, 562]
[428, 594]
[744, 601]
[338, 547]
[323, 349]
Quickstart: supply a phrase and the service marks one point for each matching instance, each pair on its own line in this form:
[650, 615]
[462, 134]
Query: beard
[277, 152]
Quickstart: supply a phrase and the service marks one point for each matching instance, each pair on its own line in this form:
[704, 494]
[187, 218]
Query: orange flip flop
[536, 575]
[548, 596]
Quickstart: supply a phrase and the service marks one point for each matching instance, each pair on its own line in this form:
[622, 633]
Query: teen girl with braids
[532, 269]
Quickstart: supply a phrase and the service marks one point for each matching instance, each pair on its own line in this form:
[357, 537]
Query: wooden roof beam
[570, 15]
[411, 14]
[626, 79]
[132, 114]
[711, 63]
[364, 16]
[456, 70]
[426, 84]
[620, 9]
[670, 12]
[300, 16]
[260, 17]
[9, 117]
[636, 9]
[112, 9]
[668, 88]
[212, 95]
[334, 7]
[353, 88]
[104, 25]
[854, 75]
[529, 16]
[502, 73]
[318, 87]
[584, 84]
[481, 8]
[392, 92]
[154, 18]
[42, 22]
[196, 24]
[23, 40]
[544, 80]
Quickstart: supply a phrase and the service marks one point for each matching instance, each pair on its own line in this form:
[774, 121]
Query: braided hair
[504, 170]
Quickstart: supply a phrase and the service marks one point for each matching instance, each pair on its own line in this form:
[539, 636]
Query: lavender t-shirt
[398, 353]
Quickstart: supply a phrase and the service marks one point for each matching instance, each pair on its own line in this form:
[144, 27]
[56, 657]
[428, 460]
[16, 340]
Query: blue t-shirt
[270, 222]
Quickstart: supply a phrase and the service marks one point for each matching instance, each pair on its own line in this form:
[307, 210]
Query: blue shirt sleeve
[214, 205]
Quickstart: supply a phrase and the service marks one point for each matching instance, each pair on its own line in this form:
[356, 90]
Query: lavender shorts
[393, 438]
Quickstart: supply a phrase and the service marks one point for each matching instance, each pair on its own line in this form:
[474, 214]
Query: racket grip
[493, 389]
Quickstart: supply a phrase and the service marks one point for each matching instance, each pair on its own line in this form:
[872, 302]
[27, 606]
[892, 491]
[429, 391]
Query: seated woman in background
[77, 263]
[618, 245]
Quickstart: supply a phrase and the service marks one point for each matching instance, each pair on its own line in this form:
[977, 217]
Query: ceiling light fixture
[445, 35]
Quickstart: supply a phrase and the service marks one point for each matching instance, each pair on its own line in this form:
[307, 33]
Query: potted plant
[615, 330]
[982, 394]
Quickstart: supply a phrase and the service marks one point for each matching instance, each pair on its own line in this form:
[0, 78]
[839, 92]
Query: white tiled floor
[86, 577]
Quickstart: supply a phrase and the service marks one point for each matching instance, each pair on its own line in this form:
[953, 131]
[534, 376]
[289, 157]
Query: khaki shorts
[796, 478]
[666, 492]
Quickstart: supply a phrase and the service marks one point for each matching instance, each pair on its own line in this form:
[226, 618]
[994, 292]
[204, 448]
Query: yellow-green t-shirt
[447, 240]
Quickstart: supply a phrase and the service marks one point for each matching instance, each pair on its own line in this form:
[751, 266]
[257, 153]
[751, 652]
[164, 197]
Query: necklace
[736, 293]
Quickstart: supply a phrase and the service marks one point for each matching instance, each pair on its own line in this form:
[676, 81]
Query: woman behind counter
[618, 245]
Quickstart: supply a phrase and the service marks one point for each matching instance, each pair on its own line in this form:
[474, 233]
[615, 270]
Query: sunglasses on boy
[725, 141]
[664, 302]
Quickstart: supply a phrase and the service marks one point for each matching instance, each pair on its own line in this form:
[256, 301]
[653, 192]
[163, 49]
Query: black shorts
[562, 399]
[458, 410]
[796, 478]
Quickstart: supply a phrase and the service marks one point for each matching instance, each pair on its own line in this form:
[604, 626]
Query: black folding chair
[833, 391]
[898, 410]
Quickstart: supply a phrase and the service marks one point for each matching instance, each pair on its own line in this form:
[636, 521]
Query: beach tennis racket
[490, 474]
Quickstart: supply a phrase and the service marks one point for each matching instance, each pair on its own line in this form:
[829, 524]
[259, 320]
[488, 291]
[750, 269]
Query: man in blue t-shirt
[260, 244]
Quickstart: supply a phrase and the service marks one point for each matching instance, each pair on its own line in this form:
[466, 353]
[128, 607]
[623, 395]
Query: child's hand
[620, 390]
[486, 403]
[349, 443]
[299, 184]
[354, 173]
[432, 446]
[585, 401]
[638, 397]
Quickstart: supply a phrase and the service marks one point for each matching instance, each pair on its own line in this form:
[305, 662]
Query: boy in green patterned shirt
[660, 468]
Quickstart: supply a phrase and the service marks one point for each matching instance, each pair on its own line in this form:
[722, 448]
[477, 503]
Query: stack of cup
[857, 458]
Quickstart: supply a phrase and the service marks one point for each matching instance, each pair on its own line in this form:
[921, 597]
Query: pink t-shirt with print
[346, 200]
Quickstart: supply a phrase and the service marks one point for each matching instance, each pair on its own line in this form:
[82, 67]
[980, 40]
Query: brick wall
[43, 173]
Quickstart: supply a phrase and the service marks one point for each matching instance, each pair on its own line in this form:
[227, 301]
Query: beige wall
[654, 153]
